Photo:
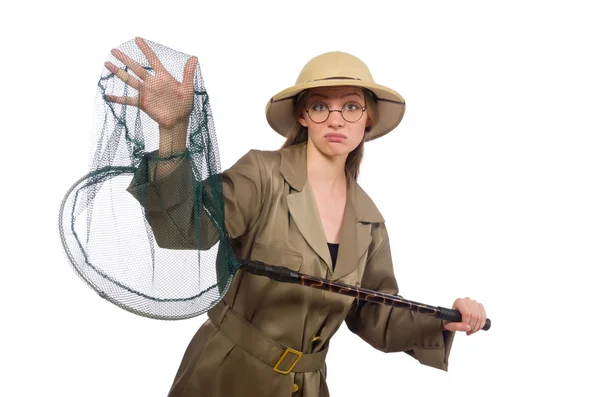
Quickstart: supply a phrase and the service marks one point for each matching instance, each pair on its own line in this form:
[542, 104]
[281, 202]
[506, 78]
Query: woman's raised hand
[160, 96]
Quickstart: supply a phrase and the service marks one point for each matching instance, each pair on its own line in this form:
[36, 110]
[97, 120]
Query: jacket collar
[360, 211]
[293, 169]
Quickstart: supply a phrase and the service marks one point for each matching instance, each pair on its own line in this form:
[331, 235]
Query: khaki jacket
[271, 215]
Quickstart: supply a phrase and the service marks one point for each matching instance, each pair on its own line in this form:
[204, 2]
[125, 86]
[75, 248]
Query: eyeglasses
[351, 112]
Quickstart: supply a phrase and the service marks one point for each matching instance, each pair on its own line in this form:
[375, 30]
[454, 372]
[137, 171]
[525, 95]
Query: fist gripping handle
[455, 316]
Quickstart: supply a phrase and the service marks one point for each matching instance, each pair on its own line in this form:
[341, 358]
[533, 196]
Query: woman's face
[335, 136]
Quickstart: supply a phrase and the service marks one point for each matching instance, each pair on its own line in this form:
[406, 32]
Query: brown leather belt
[282, 359]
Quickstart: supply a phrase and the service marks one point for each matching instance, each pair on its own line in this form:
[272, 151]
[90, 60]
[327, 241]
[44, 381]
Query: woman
[293, 207]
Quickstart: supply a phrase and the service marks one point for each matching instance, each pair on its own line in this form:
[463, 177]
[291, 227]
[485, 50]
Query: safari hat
[336, 69]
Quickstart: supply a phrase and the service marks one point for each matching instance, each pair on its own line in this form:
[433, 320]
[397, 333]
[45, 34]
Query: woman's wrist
[172, 140]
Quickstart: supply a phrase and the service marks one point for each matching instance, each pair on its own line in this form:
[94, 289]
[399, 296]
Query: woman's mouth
[334, 137]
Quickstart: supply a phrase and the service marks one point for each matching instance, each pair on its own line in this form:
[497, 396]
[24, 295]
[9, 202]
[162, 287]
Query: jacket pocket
[276, 257]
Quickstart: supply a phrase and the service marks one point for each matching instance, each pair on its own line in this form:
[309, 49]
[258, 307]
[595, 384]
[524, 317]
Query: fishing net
[104, 219]
[160, 250]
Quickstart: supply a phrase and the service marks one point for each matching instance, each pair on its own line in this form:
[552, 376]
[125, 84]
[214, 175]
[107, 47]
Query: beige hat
[336, 69]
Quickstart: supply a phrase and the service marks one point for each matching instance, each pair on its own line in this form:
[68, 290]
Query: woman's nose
[335, 118]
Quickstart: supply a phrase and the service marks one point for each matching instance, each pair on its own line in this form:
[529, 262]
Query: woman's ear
[302, 121]
[368, 125]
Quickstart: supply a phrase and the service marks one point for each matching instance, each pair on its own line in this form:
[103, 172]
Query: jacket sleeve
[187, 214]
[392, 329]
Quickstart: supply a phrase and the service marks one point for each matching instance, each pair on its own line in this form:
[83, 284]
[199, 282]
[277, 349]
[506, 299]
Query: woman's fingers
[474, 317]
[466, 313]
[472, 313]
[188, 73]
[150, 55]
[456, 326]
[482, 317]
[478, 317]
[125, 77]
[124, 100]
[161, 96]
[130, 63]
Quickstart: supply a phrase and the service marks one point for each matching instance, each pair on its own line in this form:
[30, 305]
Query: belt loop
[217, 313]
[223, 312]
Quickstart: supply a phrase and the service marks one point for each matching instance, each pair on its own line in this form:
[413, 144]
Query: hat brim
[390, 104]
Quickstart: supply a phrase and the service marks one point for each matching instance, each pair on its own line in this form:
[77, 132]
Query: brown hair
[299, 133]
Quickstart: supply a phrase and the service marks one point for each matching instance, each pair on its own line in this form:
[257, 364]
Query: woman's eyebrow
[326, 97]
[317, 94]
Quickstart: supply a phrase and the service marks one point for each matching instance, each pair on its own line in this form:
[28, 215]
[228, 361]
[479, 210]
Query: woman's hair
[299, 133]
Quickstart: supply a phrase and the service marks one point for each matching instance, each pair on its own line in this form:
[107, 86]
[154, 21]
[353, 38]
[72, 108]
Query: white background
[489, 186]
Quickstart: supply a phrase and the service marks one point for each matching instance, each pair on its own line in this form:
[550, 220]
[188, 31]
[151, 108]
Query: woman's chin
[335, 149]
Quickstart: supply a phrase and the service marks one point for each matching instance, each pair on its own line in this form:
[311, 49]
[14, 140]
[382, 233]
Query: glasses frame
[363, 108]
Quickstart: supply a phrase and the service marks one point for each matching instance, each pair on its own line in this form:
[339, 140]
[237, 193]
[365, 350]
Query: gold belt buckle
[288, 350]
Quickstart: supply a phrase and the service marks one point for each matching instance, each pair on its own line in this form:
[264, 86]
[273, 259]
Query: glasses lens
[318, 112]
[352, 111]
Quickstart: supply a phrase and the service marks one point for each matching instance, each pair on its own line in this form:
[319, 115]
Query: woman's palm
[161, 97]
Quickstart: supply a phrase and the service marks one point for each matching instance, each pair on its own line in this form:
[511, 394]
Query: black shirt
[333, 251]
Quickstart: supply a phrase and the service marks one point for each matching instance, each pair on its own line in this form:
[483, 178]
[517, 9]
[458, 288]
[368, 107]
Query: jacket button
[315, 338]
[295, 388]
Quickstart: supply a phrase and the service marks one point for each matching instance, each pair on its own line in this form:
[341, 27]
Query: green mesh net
[104, 220]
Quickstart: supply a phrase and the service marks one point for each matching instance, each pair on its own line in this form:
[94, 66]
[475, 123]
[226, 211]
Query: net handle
[283, 274]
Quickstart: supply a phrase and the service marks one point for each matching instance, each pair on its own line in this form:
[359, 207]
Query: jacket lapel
[303, 209]
[350, 243]
[359, 213]
[300, 201]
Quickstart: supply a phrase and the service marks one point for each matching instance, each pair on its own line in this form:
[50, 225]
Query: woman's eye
[319, 107]
[351, 107]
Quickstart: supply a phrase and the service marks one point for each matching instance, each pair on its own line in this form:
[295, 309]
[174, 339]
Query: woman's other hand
[473, 316]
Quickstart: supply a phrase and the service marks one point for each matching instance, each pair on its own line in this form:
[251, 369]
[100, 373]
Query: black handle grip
[277, 273]
[455, 317]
